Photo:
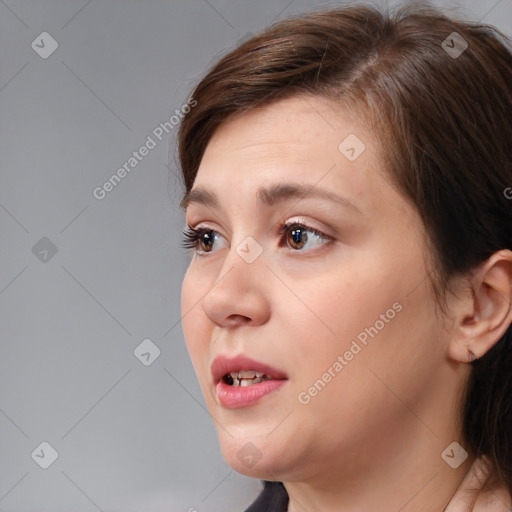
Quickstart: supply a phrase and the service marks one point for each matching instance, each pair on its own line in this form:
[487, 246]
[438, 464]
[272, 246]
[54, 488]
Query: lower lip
[234, 397]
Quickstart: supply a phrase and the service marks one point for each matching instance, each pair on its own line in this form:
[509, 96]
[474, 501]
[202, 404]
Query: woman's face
[345, 319]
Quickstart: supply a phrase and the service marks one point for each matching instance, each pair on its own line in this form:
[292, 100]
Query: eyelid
[307, 225]
[281, 225]
[301, 222]
[282, 228]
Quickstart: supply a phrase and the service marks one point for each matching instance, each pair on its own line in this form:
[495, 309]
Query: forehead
[287, 127]
[299, 139]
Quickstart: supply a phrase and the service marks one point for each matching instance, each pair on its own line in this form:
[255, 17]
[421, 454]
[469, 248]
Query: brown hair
[443, 112]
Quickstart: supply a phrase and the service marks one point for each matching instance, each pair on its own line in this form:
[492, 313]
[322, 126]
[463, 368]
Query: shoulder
[273, 498]
[480, 491]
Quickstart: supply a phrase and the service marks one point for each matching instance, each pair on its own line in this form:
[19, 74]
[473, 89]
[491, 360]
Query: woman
[347, 308]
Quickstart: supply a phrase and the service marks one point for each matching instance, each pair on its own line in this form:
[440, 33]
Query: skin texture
[372, 438]
[493, 499]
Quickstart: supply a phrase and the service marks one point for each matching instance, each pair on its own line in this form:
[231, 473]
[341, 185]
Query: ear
[483, 313]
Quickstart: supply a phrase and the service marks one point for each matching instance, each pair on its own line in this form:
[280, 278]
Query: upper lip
[223, 365]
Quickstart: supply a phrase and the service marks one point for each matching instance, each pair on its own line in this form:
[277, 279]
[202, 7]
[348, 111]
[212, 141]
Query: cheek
[371, 320]
[187, 292]
[323, 325]
[192, 320]
[336, 308]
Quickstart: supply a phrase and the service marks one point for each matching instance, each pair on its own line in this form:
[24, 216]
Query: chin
[256, 458]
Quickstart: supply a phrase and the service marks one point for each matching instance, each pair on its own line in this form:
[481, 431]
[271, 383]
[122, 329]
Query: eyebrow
[269, 195]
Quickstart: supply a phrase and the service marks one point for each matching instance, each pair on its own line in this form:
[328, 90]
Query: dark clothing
[273, 498]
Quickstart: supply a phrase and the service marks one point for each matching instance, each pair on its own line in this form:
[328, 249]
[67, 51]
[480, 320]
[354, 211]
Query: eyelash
[191, 235]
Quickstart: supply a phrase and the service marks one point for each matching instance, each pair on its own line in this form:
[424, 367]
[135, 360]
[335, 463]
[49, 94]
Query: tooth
[245, 382]
[246, 374]
[236, 382]
[258, 374]
[234, 375]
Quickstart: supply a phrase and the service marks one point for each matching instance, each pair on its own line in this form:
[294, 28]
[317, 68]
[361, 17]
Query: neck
[401, 469]
[408, 482]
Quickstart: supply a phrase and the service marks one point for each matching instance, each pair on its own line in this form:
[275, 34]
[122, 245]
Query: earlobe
[485, 313]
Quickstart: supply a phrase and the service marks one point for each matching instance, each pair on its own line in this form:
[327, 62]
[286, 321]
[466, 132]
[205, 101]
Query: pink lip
[234, 397]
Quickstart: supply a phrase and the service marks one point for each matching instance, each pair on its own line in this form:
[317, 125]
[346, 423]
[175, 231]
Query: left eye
[297, 232]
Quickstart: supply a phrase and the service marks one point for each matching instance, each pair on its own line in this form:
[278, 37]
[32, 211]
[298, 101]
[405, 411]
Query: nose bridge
[249, 249]
[244, 259]
[238, 292]
[247, 242]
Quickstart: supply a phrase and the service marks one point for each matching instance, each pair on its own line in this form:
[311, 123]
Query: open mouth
[244, 378]
[241, 381]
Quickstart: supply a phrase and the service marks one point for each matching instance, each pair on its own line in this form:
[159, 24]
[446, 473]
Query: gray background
[129, 437]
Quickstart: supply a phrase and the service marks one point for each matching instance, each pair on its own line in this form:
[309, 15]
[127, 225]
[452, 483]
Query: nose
[238, 296]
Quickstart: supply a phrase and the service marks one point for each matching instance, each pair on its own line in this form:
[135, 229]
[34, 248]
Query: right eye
[194, 238]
